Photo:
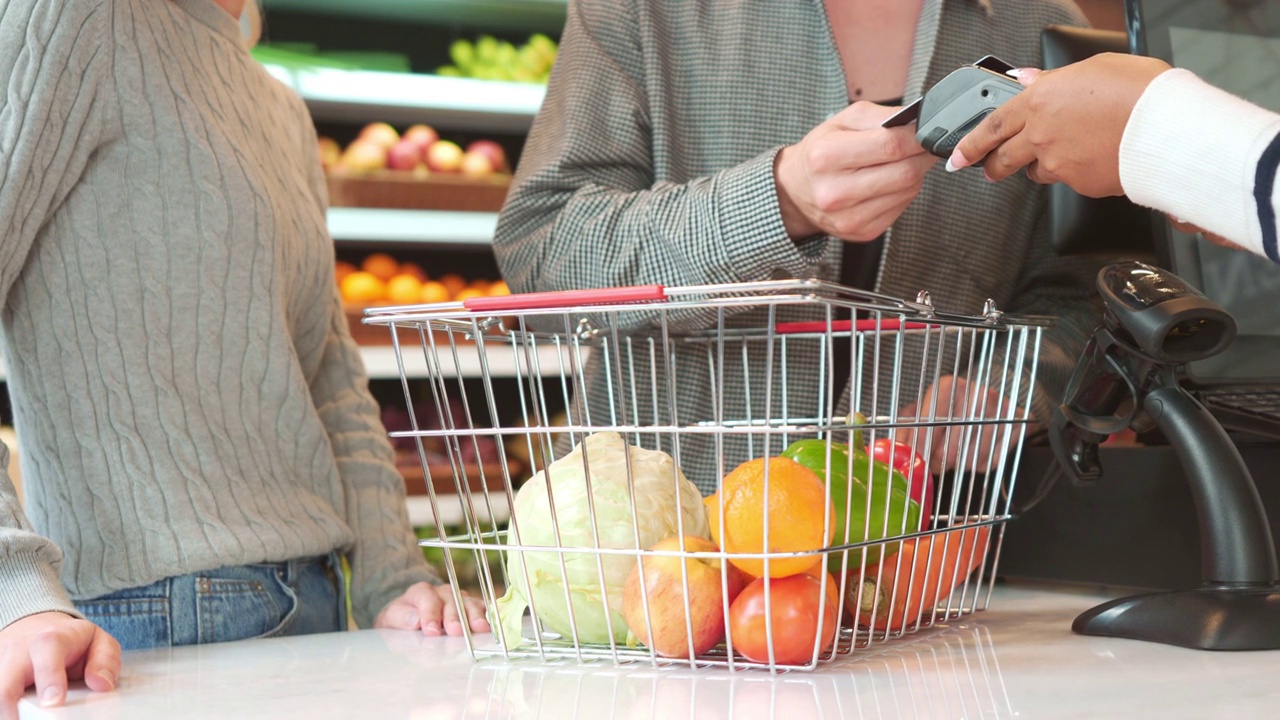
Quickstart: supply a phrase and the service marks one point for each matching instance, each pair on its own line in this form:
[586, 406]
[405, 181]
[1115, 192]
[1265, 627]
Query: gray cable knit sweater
[186, 391]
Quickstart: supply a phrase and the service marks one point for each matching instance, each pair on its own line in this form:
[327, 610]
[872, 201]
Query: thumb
[1026, 76]
[102, 665]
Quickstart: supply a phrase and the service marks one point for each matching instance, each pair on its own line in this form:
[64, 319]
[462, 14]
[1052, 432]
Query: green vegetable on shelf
[891, 513]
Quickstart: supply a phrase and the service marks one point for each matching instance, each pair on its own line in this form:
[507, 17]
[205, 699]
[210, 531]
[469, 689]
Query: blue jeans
[297, 597]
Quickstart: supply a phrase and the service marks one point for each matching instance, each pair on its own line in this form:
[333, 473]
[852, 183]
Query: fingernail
[957, 161]
[1026, 76]
[109, 676]
[50, 696]
[453, 628]
[988, 177]
[431, 628]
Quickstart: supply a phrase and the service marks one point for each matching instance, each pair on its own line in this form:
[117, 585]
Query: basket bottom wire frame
[765, 476]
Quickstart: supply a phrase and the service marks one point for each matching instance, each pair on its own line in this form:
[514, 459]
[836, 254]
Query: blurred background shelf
[380, 362]
[383, 225]
[451, 510]
[394, 190]
[357, 96]
[508, 15]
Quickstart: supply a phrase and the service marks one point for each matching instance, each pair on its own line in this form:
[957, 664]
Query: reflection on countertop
[1018, 660]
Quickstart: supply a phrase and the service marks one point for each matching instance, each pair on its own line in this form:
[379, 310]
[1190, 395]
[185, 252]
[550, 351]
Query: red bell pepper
[902, 458]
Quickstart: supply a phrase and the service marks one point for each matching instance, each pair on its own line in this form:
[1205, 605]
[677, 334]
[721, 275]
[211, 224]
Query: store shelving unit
[405, 98]
[435, 227]
[460, 107]
[380, 362]
[497, 15]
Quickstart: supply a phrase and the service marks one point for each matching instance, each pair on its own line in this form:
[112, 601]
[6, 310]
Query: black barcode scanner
[1127, 377]
[1153, 323]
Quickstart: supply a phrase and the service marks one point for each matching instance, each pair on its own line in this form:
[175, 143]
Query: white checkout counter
[1017, 660]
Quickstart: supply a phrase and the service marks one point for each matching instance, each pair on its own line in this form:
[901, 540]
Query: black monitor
[1235, 45]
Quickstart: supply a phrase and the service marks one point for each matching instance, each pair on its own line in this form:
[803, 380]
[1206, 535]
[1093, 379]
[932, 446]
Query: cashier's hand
[1065, 126]
[47, 650]
[426, 607]
[849, 177]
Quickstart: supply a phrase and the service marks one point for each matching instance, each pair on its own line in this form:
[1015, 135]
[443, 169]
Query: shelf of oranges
[382, 280]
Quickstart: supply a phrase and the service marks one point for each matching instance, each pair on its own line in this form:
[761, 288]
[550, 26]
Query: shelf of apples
[380, 279]
[416, 170]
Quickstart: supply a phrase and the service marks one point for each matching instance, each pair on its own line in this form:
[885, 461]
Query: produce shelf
[420, 514]
[406, 98]
[524, 15]
[380, 363]
[484, 475]
[381, 225]
[388, 189]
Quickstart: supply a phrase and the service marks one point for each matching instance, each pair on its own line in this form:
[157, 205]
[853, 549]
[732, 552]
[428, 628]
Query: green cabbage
[654, 475]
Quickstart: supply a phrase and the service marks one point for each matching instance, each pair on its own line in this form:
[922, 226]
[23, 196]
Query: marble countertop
[1017, 660]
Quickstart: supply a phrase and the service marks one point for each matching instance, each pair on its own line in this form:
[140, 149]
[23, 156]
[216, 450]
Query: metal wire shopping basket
[768, 475]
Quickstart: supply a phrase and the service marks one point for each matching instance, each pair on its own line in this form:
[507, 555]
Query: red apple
[380, 134]
[364, 156]
[444, 156]
[494, 152]
[330, 152]
[421, 135]
[664, 588]
[477, 165]
[404, 155]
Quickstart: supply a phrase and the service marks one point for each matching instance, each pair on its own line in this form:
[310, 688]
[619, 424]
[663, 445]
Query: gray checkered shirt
[651, 161]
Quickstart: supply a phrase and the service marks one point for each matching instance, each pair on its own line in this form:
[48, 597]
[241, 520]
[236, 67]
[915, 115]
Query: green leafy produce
[534, 576]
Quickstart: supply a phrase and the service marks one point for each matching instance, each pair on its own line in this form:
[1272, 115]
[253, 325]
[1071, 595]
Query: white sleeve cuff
[1192, 150]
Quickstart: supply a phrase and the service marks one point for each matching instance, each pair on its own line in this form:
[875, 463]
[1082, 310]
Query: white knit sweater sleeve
[1205, 157]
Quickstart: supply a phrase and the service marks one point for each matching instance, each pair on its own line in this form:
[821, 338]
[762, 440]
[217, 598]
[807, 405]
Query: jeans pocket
[241, 608]
[136, 623]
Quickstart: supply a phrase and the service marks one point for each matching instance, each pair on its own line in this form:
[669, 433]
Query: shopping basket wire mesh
[630, 405]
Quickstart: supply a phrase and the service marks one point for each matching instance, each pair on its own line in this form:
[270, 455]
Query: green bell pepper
[853, 522]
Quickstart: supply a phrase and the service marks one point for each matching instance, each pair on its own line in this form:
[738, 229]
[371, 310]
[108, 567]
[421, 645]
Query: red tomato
[902, 458]
[793, 605]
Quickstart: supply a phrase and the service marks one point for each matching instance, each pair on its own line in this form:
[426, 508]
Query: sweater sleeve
[586, 211]
[1206, 157]
[385, 559]
[53, 59]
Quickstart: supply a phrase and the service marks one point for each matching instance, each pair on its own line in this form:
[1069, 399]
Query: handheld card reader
[957, 103]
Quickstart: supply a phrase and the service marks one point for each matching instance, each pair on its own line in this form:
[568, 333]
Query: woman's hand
[425, 607]
[46, 650]
[1065, 126]
[849, 177]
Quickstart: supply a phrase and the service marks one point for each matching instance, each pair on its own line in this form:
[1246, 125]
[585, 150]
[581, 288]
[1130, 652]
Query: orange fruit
[499, 288]
[404, 289]
[712, 504]
[381, 265]
[341, 270]
[415, 270]
[362, 288]
[468, 293]
[481, 285]
[794, 507]
[433, 292]
[454, 283]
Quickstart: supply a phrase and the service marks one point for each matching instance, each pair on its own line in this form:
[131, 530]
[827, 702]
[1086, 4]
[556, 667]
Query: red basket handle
[817, 326]
[566, 298]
